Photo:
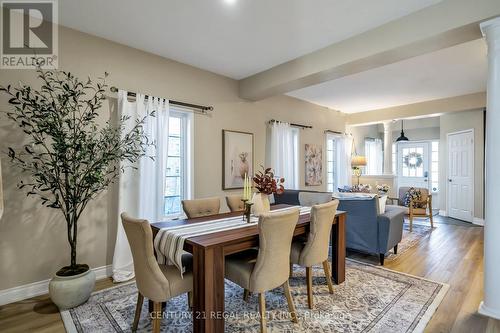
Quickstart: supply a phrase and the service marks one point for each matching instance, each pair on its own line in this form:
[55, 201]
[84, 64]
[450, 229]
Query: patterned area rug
[372, 299]
[421, 229]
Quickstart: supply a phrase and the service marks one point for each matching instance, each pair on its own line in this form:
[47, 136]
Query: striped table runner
[169, 241]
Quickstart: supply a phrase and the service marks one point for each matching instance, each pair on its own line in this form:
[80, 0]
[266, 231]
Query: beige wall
[32, 241]
[416, 129]
[359, 133]
[455, 122]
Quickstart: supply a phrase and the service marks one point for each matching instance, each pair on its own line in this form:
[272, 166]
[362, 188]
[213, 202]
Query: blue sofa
[371, 232]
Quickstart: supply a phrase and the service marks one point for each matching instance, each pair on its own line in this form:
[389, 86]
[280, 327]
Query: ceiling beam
[448, 23]
[418, 110]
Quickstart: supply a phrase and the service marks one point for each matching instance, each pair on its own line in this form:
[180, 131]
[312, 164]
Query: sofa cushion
[353, 196]
[289, 197]
[314, 198]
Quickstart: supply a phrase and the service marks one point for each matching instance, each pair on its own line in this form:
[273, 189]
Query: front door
[460, 173]
[413, 164]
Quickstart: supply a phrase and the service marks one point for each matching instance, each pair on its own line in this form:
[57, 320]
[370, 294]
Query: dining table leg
[338, 250]
[208, 289]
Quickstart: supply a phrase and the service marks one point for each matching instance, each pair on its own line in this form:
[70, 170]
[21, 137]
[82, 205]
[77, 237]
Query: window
[435, 166]
[178, 176]
[331, 164]
[374, 156]
[412, 161]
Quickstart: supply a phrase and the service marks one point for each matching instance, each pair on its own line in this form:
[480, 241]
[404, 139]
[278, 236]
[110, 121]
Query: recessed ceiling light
[230, 2]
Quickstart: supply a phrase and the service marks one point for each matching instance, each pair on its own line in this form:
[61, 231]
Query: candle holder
[248, 209]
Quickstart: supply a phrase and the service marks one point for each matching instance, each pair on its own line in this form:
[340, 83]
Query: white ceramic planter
[69, 291]
[261, 203]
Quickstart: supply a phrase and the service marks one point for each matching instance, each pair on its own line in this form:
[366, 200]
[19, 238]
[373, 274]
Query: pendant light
[402, 137]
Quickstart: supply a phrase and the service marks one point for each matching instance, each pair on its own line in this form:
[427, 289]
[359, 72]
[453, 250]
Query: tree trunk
[72, 234]
[73, 244]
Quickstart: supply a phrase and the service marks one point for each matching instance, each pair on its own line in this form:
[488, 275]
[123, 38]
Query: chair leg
[157, 317]
[190, 299]
[138, 308]
[291, 270]
[291, 306]
[411, 222]
[309, 287]
[262, 312]
[432, 220]
[328, 275]
[246, 293]
[382, 257]
[396, 249]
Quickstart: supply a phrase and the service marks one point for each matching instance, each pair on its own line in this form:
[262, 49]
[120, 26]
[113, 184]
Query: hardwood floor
[453, 253]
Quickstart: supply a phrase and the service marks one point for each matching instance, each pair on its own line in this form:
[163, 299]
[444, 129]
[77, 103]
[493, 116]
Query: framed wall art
[237, 158]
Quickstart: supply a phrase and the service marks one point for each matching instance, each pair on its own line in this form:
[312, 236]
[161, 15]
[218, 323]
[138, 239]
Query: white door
[413, 164]
[460, 175]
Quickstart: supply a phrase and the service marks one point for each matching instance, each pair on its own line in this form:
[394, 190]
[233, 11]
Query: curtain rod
[291, 124]
[201, 108]
[337, 132]
[334, 132]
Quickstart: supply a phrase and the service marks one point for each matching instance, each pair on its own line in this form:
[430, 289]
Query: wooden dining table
[210, 250]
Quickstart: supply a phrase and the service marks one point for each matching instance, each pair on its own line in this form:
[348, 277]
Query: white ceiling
[454, 71]
[235, 38]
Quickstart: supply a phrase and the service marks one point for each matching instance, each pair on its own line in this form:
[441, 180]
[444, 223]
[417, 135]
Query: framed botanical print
[237, 158]
[313, 164]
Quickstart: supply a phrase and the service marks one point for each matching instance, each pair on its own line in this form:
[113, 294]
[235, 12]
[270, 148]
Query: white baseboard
[442, 212]
[20, 293]
[485, 311]
[478, 221]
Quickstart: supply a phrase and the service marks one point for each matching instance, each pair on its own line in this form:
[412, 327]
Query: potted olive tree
[70, 157]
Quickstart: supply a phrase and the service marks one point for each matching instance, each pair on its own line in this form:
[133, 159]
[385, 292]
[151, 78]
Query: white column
[388, 148]
[490, 306]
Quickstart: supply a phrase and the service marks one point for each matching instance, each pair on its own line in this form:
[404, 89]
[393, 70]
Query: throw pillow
[415, 195]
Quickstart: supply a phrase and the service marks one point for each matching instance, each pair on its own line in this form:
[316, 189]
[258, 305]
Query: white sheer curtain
[344, 152]
[374, 156]
[141, 190]
[284, 151]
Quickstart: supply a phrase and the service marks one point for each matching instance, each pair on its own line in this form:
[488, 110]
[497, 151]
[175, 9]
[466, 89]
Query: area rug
[372, 299]
[410, 239]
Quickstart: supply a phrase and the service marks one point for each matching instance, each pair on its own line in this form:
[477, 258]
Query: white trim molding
[34, 289]
[478, 221]
[442, 212]
[485, 311]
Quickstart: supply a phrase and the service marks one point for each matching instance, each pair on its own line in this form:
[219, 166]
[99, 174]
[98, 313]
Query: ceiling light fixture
[402, 137]
[230, 2]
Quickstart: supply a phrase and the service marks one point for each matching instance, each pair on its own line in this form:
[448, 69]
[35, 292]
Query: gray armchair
[371, 232]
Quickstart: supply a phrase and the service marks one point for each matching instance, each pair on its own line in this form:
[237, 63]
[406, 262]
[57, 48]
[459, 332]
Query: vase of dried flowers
[266, 184]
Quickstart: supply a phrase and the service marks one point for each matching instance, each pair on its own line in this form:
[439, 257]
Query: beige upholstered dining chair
[234, 203]
[157, 283]
[201, 207]
[267, 269]
[315, 250]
